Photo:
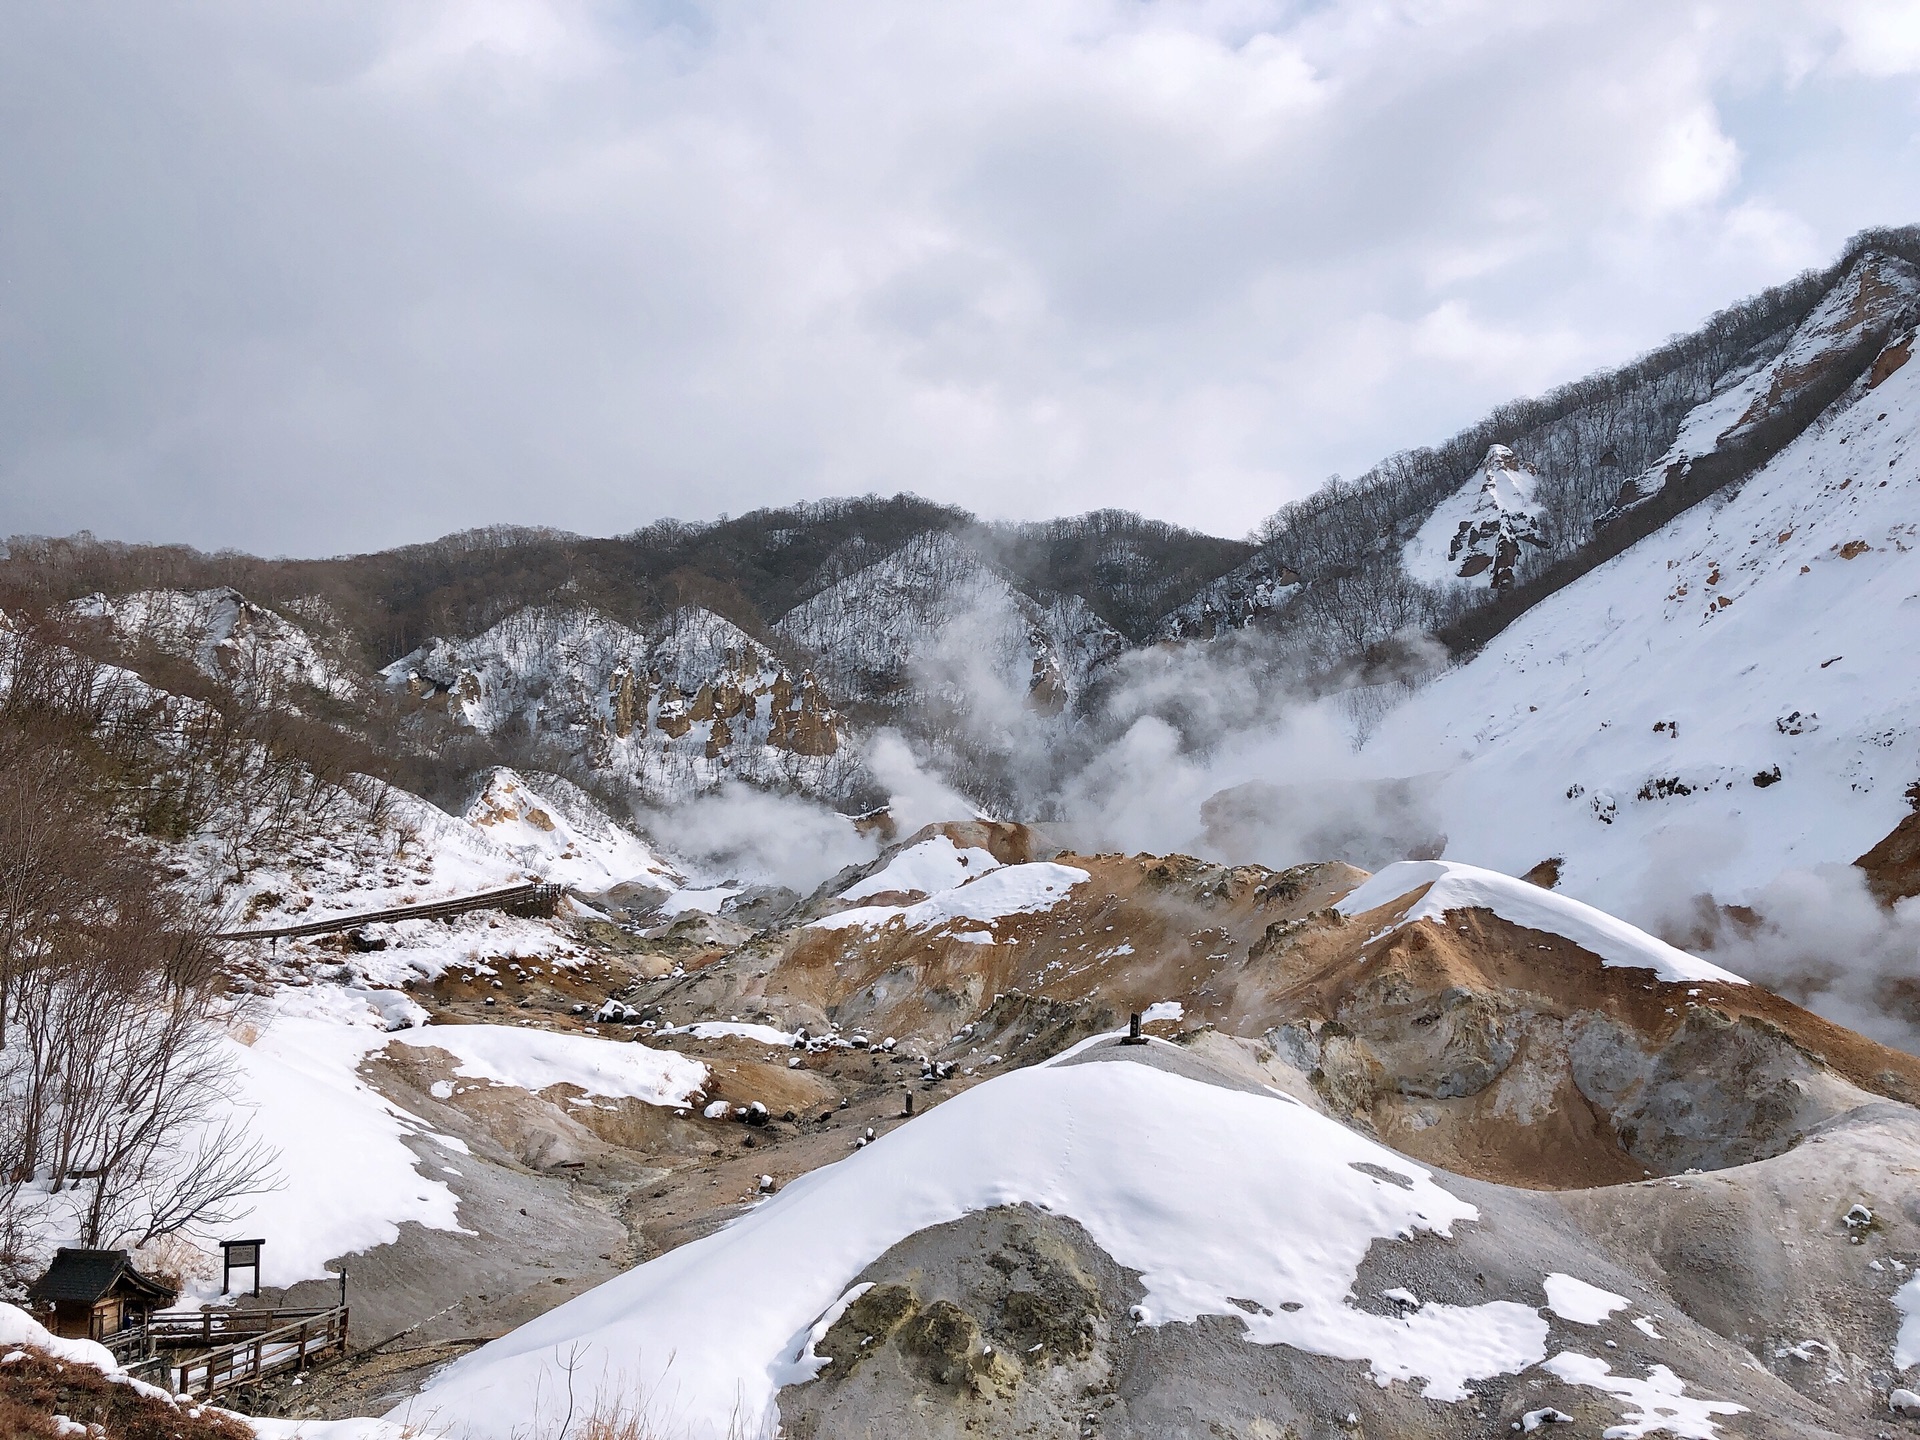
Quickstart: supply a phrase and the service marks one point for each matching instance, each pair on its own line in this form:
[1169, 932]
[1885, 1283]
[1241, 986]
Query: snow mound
[1010, 890]
[531, 1060]
[935, 864]
[1452, 886]
[1216, 1194]
[19, 1328]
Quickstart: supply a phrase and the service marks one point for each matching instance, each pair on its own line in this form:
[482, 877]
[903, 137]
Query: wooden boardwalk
[238, 1347]
[530, 899]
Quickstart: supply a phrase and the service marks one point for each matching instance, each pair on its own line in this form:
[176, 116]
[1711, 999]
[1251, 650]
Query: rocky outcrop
[669, 713]
[1481, 534]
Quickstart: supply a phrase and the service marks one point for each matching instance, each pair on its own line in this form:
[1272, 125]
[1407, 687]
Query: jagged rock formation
[1252, 590]
[1480, 534]
[670, 714]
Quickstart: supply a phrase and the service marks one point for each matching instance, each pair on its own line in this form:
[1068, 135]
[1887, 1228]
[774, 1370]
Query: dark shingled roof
[88, 1275]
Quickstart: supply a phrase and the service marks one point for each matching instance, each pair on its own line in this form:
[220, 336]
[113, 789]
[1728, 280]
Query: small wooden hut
[96, 1294]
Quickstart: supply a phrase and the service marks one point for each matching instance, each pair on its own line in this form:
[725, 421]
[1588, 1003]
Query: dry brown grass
[36, 1389]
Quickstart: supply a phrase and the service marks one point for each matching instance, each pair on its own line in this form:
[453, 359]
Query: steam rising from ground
[742, 834]
[1820, 938]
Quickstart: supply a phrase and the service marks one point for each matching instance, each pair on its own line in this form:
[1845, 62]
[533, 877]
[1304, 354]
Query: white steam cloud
[745, 835]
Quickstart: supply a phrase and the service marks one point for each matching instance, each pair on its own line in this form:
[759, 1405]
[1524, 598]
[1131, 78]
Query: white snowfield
[1452, 886]
[1207, 1192]
[935, 864]
[531, 1059]
[1009, 890]
[351, 1177]
[1635, 722]
[351, 1180]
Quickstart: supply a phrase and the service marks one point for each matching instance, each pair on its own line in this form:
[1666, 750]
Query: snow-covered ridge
[1204, 1168]
[1009, 890]
[264, 655]
[556, 830]
[1451, 886]
[1731, 697]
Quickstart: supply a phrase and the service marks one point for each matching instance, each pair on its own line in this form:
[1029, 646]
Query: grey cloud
[317, 277]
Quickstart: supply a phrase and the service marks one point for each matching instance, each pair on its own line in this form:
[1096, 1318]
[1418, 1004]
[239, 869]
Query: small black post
[1134, 1037]
[908, 1112]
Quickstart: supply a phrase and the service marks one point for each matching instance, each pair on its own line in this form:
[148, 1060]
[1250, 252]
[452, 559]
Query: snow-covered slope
[225, 635]
[705, 1336]
[555, 829]
[1731, 696]
[672, 713]
[1480, 535]
[935, 619]
[1870, 295]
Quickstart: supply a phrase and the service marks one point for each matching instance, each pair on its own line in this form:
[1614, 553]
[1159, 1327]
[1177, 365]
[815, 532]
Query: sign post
[240, 1255]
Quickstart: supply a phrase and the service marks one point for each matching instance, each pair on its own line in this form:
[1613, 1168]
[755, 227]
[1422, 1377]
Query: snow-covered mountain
[935, 620]
[1874, 294]
[1251, 591]
[1732, 696]
[263, 654]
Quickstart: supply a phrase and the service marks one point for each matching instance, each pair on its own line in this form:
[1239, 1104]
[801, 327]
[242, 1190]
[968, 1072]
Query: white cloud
[313, 276]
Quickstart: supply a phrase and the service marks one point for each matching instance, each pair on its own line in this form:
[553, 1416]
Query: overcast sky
[317, 276]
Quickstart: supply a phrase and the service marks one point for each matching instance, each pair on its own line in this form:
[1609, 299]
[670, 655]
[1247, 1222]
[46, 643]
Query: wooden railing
[305, 1338]
[181, 1329]
[530, 899]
